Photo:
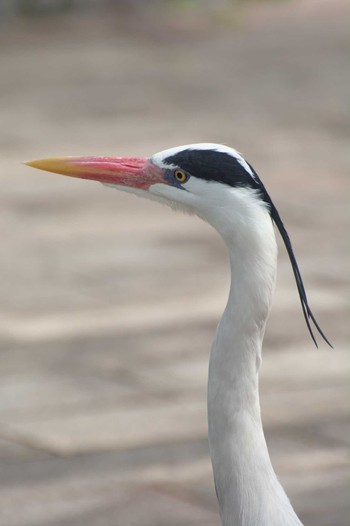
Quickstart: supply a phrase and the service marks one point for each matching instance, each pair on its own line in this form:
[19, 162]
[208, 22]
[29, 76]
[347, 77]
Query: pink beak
[132, 172]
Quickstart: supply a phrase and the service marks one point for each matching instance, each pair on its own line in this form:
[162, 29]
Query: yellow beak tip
[55, 164]
[42, 164]
[29, 163]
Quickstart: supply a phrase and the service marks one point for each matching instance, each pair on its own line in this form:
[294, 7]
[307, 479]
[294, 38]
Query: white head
[210, 180]
[187, 177]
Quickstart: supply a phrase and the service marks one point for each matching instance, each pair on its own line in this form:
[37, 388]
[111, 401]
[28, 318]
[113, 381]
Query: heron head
[196, 178]
[210, 180]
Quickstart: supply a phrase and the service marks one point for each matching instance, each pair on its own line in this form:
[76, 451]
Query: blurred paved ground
[108, 304]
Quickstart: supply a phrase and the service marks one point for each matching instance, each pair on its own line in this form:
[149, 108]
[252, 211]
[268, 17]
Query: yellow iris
[180, 176]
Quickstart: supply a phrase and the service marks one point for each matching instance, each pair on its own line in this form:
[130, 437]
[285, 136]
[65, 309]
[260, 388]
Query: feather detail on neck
[248, 491]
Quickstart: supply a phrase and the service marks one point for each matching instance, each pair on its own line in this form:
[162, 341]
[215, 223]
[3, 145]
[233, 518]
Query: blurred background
[109, 303]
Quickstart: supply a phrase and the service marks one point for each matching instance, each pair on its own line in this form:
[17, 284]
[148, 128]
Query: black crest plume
[308, 315]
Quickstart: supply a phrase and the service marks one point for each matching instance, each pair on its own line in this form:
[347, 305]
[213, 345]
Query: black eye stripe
[212, 165]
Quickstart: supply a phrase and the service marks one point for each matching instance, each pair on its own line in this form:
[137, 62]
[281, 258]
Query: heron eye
[180, 176]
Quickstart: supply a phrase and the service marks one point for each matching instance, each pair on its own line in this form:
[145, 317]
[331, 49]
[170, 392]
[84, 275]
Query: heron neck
[247, 487]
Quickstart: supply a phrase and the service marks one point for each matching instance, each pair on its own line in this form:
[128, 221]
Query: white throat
[248, 491]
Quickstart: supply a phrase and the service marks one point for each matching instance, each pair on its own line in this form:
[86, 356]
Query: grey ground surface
[108, 303]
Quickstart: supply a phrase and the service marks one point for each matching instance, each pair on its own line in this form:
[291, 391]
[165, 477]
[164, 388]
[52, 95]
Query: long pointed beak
[132, 172]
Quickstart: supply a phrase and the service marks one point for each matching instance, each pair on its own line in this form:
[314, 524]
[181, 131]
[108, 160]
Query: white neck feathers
[248, 491]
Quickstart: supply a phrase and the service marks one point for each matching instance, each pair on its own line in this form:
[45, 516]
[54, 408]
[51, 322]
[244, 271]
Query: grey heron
[216, 183]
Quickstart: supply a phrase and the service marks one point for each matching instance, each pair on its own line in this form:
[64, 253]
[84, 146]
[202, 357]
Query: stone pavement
[108, 303]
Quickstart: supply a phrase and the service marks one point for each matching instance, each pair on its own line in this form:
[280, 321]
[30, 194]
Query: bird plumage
[225, 165]
[216, 183]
